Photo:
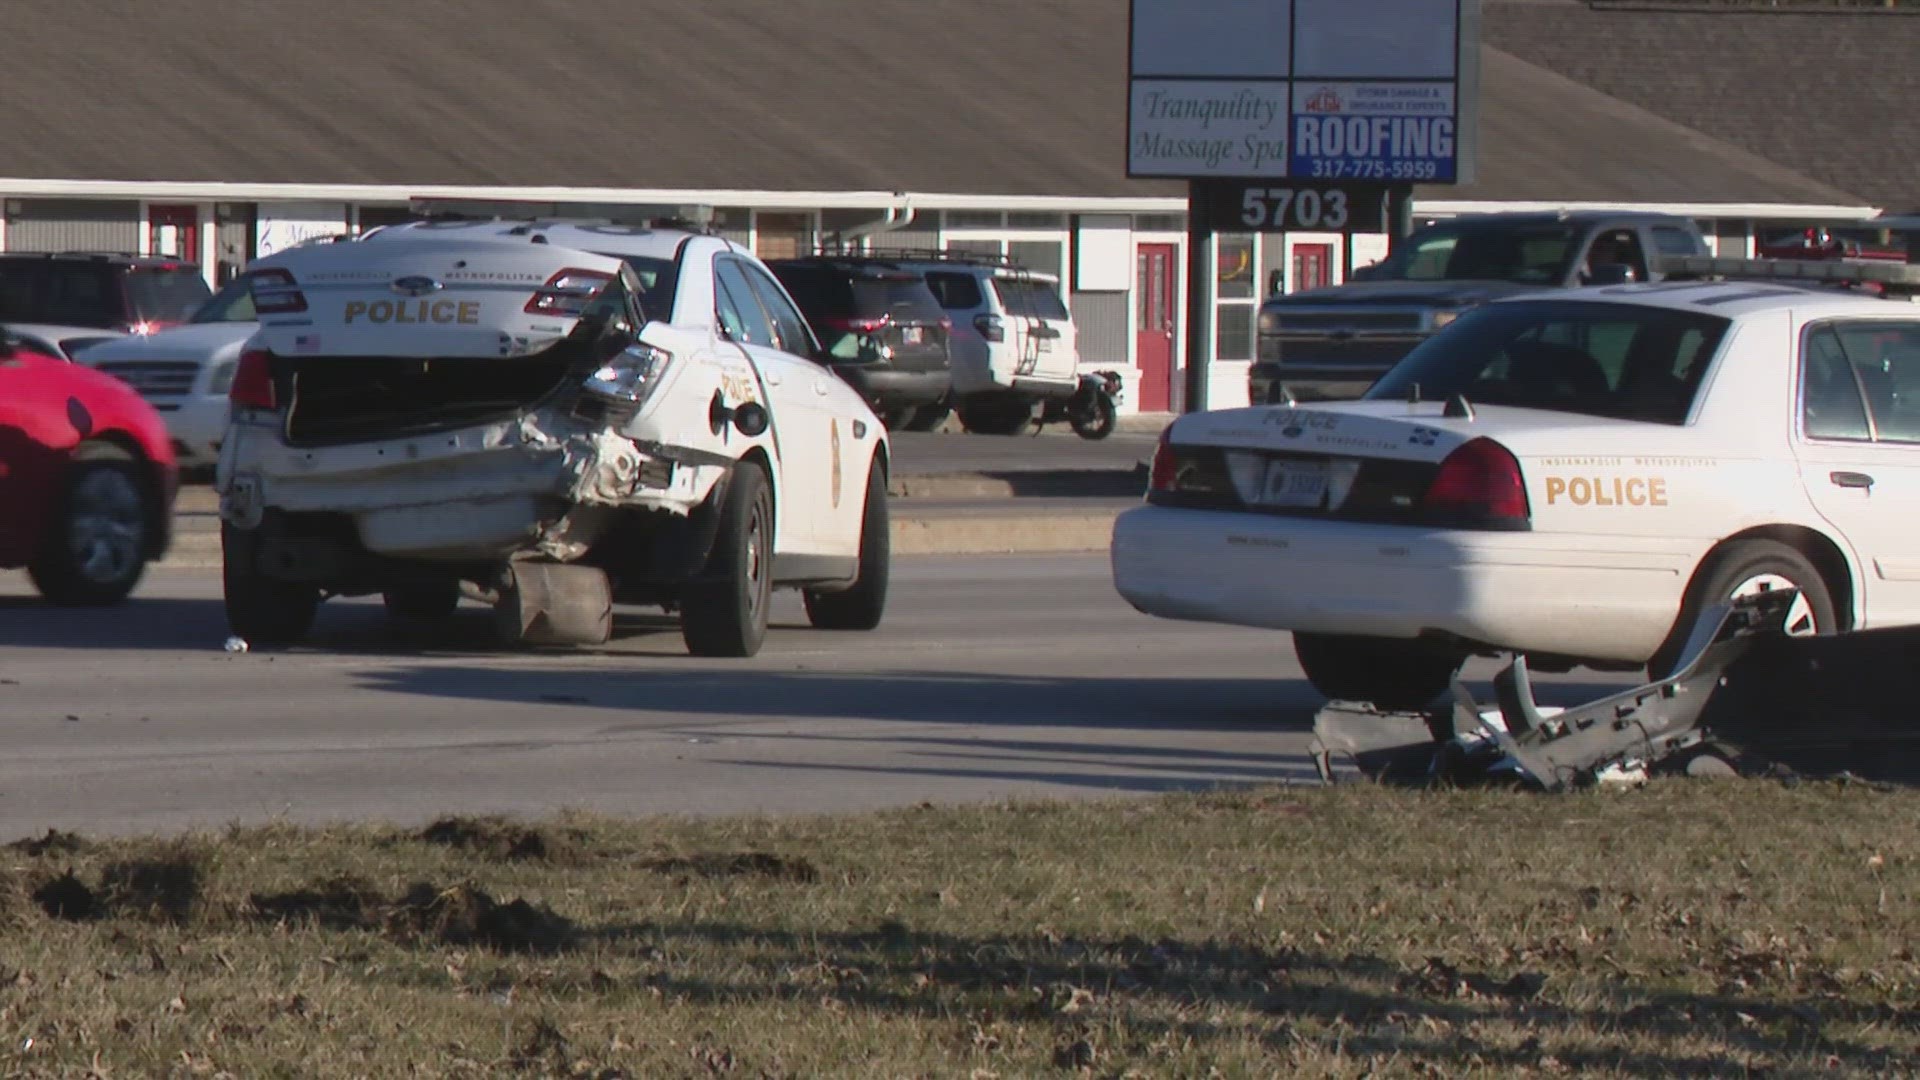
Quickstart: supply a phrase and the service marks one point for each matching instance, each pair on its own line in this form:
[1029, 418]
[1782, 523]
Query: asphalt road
[993, 677]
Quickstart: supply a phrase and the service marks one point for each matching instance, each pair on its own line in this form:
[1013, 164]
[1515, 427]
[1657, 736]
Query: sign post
[1296, 116]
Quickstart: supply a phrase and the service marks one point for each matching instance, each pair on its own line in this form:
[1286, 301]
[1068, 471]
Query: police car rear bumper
[1603, 598]
[476, 493]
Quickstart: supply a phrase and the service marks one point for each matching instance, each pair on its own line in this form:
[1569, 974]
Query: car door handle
[1851, 479]
[820, 387]
[771, 374]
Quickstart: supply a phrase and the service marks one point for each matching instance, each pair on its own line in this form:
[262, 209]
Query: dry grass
[1707, 929]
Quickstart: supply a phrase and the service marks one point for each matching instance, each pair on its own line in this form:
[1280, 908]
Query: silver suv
[1014, 344]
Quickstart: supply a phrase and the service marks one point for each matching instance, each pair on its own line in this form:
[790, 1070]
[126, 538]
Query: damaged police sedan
[550, 418]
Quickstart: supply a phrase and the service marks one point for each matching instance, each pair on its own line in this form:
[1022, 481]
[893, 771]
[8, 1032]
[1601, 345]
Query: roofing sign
[1378, 90]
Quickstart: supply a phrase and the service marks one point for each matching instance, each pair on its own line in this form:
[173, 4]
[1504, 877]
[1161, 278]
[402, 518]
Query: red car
[87, 478]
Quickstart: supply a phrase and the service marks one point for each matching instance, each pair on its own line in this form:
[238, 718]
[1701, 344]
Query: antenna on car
[1459, 408]
[1286, 396]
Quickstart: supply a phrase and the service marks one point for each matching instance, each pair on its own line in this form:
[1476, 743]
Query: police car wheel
[1743, 568]
[1388, 672]
[860, 607]
[262, 611]
[724, 610]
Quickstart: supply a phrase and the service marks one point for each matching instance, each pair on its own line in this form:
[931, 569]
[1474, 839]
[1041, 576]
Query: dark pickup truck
[1332, 343]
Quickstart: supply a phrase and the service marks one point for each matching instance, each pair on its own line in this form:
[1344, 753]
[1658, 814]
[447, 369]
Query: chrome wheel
[106, 526]
[1800, 621]
[756, 560]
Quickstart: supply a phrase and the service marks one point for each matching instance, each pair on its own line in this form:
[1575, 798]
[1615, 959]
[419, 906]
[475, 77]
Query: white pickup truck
[550, 416]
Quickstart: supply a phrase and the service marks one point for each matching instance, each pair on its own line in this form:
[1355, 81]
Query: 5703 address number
[1284, 207]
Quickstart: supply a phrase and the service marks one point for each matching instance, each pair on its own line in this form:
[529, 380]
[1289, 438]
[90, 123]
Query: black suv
[883, 330]
[131, 293]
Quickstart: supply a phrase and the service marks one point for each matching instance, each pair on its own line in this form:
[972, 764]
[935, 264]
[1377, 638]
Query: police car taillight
[1165, 474]
[567, 293]
[1478, 484]
[253, 381]
[275, 292]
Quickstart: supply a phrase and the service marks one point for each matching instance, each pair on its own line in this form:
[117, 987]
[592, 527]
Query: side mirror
[751, 419]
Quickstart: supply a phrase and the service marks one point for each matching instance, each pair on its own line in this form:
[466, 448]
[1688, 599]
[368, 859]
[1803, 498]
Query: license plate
[913, 335]
[1295, 483]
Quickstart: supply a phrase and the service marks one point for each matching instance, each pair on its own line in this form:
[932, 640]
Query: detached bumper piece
[1616, 738]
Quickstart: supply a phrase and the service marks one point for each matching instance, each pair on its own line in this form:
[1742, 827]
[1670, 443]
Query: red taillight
[567, 293]
[1479, 481]
[253, 381]
[1165, 468]
[990, 327]
[858, 326]
[275, 292]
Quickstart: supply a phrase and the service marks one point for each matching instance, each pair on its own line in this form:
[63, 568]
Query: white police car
[1570, 476]
[552, 416]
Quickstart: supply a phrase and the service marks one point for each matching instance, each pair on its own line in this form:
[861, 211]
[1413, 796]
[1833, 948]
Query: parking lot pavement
[993, 677]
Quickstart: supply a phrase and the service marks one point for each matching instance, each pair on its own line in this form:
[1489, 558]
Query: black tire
[420, 604]
[997, 419]
[265, 612]
[1728, 567]
[1389, 672]
[861, 606]
[724, 610]
[896, 419]
[928, 418]
[1099, 422]
[101, 533]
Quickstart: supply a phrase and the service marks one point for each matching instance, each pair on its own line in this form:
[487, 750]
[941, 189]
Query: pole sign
[1243, 206]
[1373, 91]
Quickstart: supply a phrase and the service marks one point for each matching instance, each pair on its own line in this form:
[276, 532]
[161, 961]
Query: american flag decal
[306, 343]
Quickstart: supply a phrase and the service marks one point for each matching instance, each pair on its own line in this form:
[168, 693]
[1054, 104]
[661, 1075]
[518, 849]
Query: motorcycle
[1094, 408]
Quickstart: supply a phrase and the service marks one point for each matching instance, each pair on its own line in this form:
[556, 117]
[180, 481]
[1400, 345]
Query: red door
[1153, 333]
[1312, 266]
[174, 231]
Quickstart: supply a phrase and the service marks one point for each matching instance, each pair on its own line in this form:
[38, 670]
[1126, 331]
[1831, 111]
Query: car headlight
[222, 379]
[1442, 318]
[1269, 322]
[631, 375]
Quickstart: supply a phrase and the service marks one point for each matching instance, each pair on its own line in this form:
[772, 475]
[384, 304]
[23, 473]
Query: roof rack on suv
[930, 255]
[1893, 279]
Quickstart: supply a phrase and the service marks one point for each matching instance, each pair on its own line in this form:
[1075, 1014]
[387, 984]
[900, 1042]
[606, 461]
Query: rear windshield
[956, 292]
[232, 304]
[905, 299]
[1615, 360]
[1029, 298]
[657, 280]
[1478, 252]
[170, 296]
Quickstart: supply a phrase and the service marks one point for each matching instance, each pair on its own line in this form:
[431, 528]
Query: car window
[169, 296]
[1669, 240]
[79, 295]
[820, 292]
[16, 291]
[1861, 380]
[1615, 360]
[955, 291]
[1480, 252]
[232, 304]
[1617, 247]
[655, 280]
[1029, 298]
[739, 313]
[790, 329]
[902, 299]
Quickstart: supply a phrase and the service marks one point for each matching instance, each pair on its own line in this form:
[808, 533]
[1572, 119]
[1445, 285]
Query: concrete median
[950, 514]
